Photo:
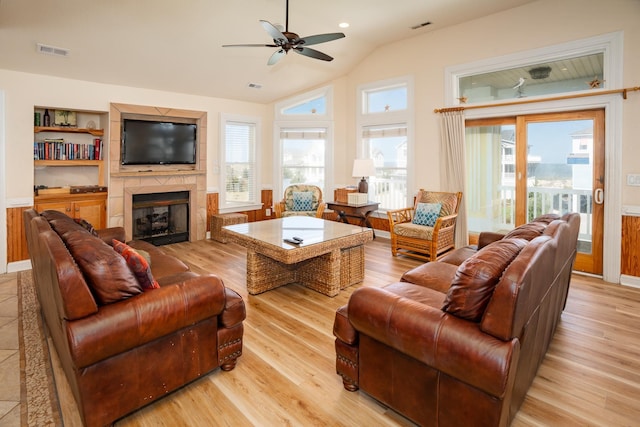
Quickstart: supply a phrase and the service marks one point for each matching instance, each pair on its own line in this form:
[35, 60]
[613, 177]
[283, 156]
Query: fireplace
[161, 218]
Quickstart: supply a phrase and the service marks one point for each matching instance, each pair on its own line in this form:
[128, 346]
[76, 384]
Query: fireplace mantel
[126, 181]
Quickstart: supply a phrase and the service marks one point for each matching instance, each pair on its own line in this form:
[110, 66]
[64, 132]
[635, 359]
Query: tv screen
[160, 143]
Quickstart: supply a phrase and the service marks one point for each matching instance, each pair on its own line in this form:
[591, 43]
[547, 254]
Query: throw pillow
[86, 225]
[427, 214]
[137, 264]
[477, 277]
[105, 271]
[302, 201]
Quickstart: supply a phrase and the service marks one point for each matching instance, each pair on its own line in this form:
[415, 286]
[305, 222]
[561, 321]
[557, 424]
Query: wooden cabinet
[91, 207]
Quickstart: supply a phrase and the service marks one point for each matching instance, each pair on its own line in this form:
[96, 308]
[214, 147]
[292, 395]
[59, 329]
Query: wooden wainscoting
[629, 257]
[16, 239]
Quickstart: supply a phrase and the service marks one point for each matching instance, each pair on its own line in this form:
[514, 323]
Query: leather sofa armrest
[487, 237]
[442, 341]
[132, 322]
[108, 234]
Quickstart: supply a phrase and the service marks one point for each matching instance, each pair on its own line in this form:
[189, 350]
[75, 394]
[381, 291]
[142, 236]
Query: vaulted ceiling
[176, 46]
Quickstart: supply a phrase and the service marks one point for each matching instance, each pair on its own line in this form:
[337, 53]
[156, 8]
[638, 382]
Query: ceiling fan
[286, 41]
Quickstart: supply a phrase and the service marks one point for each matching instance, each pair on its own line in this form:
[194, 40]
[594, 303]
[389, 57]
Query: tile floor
[9, 352]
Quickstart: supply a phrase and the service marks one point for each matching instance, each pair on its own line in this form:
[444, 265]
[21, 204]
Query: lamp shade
[363, 168]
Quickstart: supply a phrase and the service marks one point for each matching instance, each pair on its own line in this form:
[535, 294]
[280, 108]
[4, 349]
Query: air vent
[51, 50]
[255, 86]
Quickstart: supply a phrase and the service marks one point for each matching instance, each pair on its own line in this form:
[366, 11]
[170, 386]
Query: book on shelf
[58, 149]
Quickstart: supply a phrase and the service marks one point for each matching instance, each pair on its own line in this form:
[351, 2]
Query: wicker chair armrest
[399, 216]
[321, 207]
[444, 225]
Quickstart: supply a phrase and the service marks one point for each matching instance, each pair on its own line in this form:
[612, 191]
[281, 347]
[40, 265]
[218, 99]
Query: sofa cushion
[61, 223]
[527, 231]
[162, 264]
[547, 218]
[105, 270]
[427, 214]
[435, 275]
[138, 265]
[477, 277]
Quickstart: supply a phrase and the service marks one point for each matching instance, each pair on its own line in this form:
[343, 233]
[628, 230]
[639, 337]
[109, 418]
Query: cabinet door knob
[67, 209]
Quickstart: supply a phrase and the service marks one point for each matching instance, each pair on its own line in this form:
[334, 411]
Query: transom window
[577, 66]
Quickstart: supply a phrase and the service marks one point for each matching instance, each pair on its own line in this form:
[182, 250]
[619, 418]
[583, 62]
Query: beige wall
[536, 25]
[23, 91]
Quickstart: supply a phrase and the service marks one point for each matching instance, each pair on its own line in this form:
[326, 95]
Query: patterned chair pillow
[427, 214]
[302, 201]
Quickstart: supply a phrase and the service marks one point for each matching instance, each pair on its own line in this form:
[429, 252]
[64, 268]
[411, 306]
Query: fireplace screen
[161, 218]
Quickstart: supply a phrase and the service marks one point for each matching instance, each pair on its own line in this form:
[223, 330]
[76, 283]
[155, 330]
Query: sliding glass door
[521, 167]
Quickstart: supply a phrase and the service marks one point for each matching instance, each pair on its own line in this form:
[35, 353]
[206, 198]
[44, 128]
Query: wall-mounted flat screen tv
[147, 142]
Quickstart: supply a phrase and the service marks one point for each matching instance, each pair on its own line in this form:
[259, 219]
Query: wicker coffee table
[330, 258]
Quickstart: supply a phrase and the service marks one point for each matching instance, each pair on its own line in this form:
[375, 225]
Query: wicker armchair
[410, 237]
[300, 199]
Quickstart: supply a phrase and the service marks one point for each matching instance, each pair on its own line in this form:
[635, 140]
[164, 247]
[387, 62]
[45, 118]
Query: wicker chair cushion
[298, 213]
[427, 214]
[449, 201]
[408, 229]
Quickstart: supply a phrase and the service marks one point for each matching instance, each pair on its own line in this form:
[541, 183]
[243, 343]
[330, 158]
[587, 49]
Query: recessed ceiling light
[343, 25]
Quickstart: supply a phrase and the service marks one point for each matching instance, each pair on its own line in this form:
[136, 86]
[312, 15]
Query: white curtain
[453, 166]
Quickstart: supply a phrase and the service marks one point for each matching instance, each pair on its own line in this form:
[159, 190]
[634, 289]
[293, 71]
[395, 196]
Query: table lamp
[363, 168]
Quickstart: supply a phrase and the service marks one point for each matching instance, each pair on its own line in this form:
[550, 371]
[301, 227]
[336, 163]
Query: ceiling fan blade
[275, 34]
[276, 56]
[249, 45]
[306, 51]
[319, 38]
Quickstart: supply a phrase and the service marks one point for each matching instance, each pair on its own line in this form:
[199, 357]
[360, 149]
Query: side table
[360, 212]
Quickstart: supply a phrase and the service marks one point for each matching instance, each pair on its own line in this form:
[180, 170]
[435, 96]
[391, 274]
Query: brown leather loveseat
[122, 346]
[459, 341]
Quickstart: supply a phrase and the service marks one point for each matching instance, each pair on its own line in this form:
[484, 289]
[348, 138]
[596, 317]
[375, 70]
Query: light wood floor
[286, 375]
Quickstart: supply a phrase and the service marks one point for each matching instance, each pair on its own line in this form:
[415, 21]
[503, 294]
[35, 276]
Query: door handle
[598, 196]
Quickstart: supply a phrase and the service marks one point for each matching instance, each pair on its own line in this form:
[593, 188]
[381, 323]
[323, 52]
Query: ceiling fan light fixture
[538, 73]
[287, 40]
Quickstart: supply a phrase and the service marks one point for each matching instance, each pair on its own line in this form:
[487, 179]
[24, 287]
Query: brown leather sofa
[458, 342]
[121, 347]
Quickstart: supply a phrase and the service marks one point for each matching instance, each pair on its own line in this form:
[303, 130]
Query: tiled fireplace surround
[125, 181]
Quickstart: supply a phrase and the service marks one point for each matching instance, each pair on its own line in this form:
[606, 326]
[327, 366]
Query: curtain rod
[530, 101]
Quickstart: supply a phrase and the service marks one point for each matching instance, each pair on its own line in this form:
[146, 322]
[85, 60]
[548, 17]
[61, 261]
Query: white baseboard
[12, 267]
[632, 281]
